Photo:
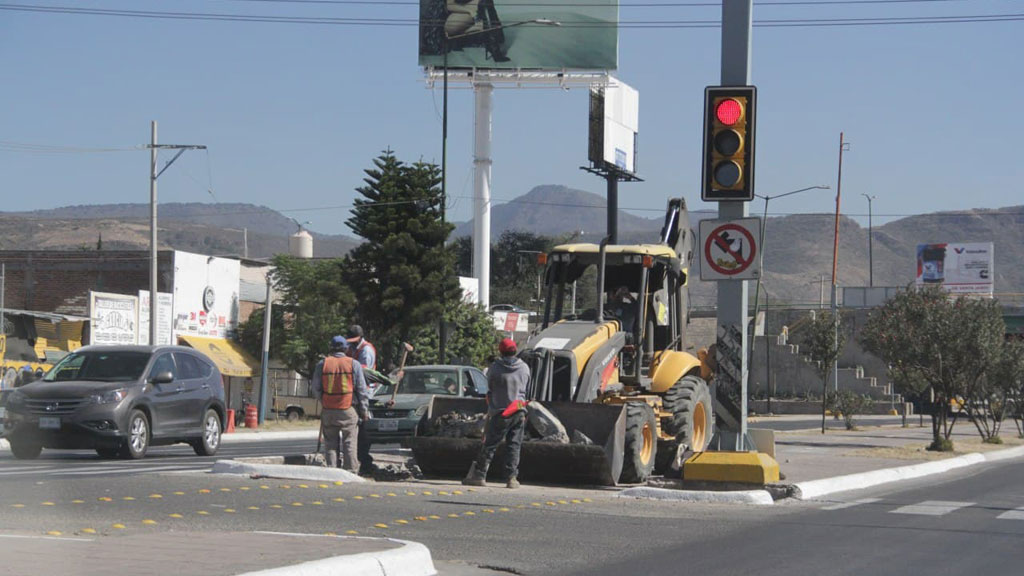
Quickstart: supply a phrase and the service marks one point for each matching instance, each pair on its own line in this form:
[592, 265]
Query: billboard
[205, 295]
[515, 35]
[164, 318]
[957, 268]
[114, 318]
[614, 123]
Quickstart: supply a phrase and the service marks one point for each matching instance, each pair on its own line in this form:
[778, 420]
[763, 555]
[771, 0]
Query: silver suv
[119, 400]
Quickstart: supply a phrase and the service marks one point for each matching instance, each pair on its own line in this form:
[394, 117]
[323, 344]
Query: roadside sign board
[729, 249]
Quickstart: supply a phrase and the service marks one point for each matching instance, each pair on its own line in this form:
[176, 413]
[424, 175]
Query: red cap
[507, 346]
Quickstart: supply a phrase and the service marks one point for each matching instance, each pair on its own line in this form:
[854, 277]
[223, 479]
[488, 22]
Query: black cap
[355, 332]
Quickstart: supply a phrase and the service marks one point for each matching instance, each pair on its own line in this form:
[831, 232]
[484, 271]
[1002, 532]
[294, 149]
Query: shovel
[401, 366]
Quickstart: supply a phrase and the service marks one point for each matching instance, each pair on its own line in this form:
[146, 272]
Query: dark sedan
[393, 421]
[119, 400]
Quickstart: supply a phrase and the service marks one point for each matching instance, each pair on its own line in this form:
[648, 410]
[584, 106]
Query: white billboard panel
[205, 295]
[614, 125]
[164, 318]
[113, 318]
[961, 268]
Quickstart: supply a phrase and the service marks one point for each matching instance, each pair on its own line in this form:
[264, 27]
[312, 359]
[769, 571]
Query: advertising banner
[205, 295]
[114, 318]
[614, 122]
[164, 318]
[513, 35]
[957, 268]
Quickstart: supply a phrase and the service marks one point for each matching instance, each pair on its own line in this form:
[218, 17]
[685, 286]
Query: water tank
[300, 244]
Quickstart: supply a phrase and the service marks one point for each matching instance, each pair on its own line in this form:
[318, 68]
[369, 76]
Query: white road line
[841, 505]
[932, 508]
[1017, 514]
[114, 471]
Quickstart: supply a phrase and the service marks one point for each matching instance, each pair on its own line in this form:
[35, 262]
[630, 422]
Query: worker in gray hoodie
[507, 381]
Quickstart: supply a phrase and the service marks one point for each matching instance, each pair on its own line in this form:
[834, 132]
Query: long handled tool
[401, 366]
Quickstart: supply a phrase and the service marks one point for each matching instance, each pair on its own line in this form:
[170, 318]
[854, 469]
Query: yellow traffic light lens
[727, 174]
[728, 142]
[728, 111]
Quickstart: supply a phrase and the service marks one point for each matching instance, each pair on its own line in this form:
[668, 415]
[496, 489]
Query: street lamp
[764, 224]
[871, 259]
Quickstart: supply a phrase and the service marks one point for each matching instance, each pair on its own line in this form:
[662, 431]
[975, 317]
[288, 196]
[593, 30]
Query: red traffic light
[728, 111]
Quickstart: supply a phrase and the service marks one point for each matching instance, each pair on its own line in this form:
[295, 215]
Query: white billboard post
[958, 268]
[614, 126]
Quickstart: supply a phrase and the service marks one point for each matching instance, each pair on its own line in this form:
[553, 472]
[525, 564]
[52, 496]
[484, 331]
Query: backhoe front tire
[641, 443]
[689, 401]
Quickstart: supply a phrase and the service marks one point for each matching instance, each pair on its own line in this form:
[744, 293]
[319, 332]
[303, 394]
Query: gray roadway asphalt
[176, 458]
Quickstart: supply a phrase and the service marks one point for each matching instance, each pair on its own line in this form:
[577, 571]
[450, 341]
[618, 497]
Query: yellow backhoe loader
[618, 377]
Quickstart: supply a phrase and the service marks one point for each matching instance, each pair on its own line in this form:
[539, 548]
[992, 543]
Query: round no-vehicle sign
[729, 249]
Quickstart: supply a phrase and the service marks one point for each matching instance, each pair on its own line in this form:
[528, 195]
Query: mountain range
[797, 251]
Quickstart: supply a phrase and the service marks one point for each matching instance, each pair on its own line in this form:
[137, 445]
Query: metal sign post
[732, 346]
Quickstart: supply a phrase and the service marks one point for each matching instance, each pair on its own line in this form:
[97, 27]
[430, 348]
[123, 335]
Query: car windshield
[99, 366]
[443, 382]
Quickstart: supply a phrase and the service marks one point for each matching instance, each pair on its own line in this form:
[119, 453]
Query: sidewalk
[213, 554]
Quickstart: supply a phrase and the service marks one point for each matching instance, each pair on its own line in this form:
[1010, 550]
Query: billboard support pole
[613, 208]
[733, 295]
[483, 93]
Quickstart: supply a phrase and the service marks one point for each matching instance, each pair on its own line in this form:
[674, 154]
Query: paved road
[160, 459]
[970, 522]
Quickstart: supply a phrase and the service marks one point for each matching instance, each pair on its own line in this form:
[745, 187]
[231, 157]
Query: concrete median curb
[759, 497]
[285, 471]
[411, 559]
[242, 437]
[825, 486]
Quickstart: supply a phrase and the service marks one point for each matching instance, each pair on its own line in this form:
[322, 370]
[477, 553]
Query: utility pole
[871, 258]
[265, 361]
[3, 289]
[153, 175]
[843, 145]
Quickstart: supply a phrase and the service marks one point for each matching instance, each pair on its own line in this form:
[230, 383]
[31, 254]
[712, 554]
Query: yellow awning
[228, 355]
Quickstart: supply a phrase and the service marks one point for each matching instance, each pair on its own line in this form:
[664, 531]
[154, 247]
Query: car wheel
[210, 442]
[293, 415]
[108, 453]
[25, 449]
[138, 436]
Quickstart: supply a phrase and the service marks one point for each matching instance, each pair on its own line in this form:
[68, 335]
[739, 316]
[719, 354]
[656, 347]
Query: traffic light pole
[733, 338]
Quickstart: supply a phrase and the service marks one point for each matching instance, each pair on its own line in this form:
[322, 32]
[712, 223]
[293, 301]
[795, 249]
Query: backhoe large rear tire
[689, 401]
[641, 443]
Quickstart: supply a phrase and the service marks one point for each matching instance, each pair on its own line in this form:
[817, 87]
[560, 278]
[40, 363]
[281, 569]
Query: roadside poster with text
[516, 35]
[164, 318]
[114, 318]
[958, 268]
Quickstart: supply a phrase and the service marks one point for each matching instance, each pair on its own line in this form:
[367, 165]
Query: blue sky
[293, 114]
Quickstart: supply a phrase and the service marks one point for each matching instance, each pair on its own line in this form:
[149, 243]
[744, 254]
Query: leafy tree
[514, 268]
[1005, 387]
[471, 339]
[950, 343]
[402, 273]
[823, 342]
[315, 305]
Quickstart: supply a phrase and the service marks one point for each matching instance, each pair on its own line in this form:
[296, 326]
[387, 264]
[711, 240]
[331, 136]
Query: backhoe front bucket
[599, 463]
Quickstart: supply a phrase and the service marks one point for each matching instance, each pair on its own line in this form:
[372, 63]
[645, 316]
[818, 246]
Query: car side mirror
[162, 377]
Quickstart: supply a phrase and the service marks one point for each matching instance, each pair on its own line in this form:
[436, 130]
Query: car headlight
[419, 412]
[109, 397]
[15, 399]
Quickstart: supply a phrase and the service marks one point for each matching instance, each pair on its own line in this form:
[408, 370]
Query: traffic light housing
[727, 173]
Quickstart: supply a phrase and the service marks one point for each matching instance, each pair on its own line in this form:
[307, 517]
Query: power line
[8, 146]
[408, 22]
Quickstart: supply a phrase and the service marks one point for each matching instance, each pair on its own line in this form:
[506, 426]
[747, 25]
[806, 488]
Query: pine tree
[402, 270]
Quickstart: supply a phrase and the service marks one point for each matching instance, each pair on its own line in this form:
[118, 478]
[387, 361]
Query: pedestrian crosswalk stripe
[1017, 514]
[932, 508]
[841, 505]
